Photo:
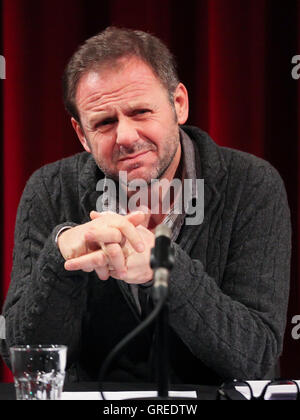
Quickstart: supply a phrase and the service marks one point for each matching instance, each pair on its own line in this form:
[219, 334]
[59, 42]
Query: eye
[141, 111]
[105, 123]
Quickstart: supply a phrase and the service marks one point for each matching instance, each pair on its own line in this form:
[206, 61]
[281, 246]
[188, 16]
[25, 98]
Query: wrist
[59, 233]
[61, 230]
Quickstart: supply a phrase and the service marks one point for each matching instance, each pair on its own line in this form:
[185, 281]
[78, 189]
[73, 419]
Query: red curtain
[234, 57]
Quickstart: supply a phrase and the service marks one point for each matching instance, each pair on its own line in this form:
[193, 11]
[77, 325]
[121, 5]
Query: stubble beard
[171, 145]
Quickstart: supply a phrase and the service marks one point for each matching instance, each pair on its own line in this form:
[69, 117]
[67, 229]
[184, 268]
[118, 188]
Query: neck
[173, 172]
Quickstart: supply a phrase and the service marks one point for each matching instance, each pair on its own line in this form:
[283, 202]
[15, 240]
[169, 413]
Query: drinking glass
[39, 371]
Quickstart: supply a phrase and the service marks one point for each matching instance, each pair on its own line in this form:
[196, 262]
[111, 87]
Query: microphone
[161, 260]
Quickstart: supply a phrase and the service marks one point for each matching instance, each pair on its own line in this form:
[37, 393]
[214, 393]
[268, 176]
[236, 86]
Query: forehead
[125, 79]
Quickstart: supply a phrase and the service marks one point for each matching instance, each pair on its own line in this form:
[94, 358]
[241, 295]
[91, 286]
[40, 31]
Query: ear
[80, 134]
[181, 103]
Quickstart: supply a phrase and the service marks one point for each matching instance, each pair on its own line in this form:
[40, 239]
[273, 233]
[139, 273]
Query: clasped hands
[112, 245]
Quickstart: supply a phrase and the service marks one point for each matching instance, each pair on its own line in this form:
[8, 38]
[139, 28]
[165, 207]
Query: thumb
[94, 215]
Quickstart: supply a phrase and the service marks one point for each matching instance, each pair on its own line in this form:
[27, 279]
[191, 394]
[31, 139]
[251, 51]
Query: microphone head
[162, 230]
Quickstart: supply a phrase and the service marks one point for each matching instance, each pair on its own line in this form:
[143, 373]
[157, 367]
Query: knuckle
[113, 250]
[98, 259]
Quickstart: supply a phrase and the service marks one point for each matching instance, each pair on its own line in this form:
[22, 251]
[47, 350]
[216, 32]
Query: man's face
[128, 122]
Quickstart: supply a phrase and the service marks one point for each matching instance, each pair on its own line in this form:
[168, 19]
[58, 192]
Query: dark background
[234, 56]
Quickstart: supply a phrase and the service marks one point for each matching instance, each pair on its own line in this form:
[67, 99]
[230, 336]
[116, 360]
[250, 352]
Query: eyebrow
[105, 114]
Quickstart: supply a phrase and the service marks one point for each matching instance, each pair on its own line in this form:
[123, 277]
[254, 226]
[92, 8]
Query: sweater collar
[87, 192]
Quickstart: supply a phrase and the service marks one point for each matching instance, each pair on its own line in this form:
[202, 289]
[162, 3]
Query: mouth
[132, 157]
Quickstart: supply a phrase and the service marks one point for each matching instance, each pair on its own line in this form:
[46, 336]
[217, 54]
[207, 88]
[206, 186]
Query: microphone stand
[162, 261]
[160, 290]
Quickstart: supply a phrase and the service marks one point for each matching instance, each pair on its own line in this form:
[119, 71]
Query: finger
[136, 217]
[115, 256]
[87, 262]
[123, 241]
[125, 224]
[102, 273]
[91, 243]
[117, 276]
[96, 215]
[102, 234]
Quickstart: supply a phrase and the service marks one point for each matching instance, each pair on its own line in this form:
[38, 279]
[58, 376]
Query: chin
[139, 173]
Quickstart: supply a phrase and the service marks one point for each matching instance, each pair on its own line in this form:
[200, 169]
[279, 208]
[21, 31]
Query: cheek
[162, 125]
[102, 148]
[153, 131]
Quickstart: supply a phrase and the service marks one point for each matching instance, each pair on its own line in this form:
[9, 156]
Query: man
[229, 286]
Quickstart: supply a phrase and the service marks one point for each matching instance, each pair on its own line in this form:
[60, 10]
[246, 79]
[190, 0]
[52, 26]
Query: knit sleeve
[236, 326]
[45, 303]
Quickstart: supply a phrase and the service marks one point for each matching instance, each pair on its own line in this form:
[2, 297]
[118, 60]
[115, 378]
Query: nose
[126, 132]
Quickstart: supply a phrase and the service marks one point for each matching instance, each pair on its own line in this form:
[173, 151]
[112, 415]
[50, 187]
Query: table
[7, 391]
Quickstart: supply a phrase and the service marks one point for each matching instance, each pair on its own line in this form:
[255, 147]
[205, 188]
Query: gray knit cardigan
[228, 291]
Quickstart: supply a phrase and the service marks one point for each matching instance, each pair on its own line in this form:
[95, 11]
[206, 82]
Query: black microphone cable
[130, 336]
